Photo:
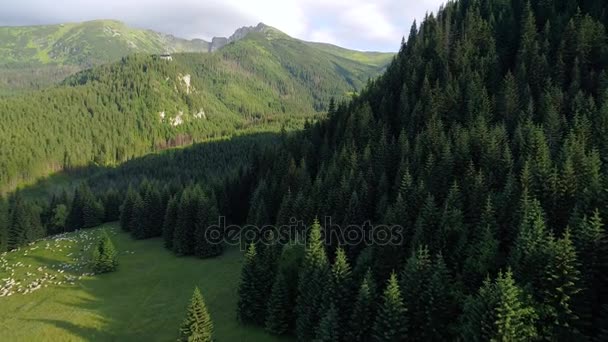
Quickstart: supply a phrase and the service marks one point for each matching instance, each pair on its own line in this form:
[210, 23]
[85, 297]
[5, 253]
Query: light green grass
[145, 300]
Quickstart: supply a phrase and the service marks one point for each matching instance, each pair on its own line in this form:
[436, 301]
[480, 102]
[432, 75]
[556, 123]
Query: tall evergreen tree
[279, 307]
[197, 326]
[391, 322]
[249, 295]
[126, 210]
[313, 280]
[498, 313]
[359, 328]
[170, 221]
[105, 257]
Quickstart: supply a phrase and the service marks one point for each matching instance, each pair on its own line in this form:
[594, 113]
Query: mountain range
[37, 56]
[260, 80]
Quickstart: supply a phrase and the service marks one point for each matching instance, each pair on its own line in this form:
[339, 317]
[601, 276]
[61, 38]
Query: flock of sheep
[17, 276]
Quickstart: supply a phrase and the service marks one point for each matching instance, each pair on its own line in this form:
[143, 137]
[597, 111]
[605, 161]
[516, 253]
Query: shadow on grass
[85, 333]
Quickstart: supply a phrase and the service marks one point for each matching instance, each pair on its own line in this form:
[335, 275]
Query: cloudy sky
[358, 24]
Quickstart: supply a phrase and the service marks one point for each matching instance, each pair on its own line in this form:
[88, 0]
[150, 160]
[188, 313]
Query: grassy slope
[33, 57]
[378, 59]
[85, 43]
[144, 300]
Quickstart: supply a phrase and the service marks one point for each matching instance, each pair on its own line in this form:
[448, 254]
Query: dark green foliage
[208, 233]
[279, 307]
[105, 257]
[86, 211]
[112, 200]
[170, 221]
[154, 212]
[24, 223]
[137, 226]
[313, 279]
[341, 294]
[4, 225]
[498, 312]
[112, 113]
[126, 210]
[187, 217]
[561, 289]
[422, 282]
[391, 322]
[197, 326]
[329, 326]
[359, 327]
[249, 308]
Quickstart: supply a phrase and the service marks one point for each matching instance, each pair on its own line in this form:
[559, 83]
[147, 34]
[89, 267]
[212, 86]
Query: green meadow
[145, 300]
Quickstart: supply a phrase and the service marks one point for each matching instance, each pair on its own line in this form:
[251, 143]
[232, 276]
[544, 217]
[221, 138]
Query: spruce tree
[248, 306]
[105, 257]
[498, 312]
[19, 222]
[154, 212]
[560, 291]
[312, 284]
[197, 326]
[359, 328]
[126, 210]
[341, 292]
[391, 322]
[138, 218]
[279, 312]
[170, 221]
[328, 326]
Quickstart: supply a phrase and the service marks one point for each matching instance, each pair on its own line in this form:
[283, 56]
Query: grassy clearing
[145, 300]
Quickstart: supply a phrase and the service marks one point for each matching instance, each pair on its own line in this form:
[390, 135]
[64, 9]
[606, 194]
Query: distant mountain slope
[33, 57]
[36, 56]
[85, 44]
[114, 112]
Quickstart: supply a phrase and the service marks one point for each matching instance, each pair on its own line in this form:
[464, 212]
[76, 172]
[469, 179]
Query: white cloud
[361, 24]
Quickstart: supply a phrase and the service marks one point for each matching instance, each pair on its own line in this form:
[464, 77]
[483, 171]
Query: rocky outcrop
[219, 42]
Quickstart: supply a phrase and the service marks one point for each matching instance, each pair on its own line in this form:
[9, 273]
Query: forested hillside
[482, 147]
[485, 141]
[111, 113]
[37, 56]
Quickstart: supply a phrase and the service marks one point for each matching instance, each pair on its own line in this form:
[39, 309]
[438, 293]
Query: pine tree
[20, 222]
[111, 203]
[313, 280]
[279, 307]
[138, 218]
[529, 255]
[359, 327]
[498, 313]
[152, 223]
[328, 326]
[415, 280]
[208, 243]
[105, 257]
[183, 234]
[591, 244]
[560, 290]
[197, 326]
[341, 292]
[170, 221]
[126, 210]
[391, 321]
[248, 307]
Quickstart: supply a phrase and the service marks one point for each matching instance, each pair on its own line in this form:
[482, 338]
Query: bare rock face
[218, 42]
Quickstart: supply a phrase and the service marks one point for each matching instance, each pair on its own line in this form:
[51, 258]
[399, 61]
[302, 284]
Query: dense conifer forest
[483, 146]
[113, 113]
